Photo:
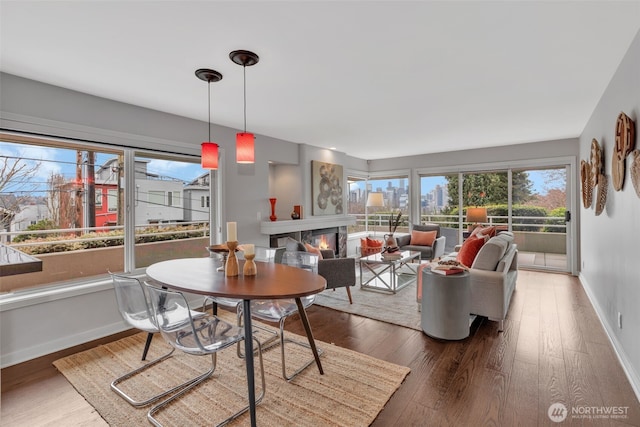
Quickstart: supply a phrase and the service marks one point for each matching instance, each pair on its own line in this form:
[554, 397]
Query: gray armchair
[428, 253]
[338, 272]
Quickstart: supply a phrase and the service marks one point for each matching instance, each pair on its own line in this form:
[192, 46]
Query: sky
[63, 161]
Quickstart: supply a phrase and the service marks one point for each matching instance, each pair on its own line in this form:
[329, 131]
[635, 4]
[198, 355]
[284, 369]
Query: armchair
[338, 272]
[415, 242]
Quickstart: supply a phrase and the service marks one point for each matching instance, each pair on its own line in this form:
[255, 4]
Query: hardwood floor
[553, 350]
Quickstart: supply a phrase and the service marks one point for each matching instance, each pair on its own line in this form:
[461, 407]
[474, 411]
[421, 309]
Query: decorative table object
[273, 216]
[231, 267]
[249, 268]
[222, 250]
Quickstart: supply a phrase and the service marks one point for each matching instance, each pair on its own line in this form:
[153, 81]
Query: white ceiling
[372, 79]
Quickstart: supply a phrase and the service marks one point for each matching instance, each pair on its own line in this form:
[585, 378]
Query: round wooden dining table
[272, 281]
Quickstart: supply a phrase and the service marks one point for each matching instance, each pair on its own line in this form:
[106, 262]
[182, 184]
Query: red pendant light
[245, 149]
[209, 155]
[245, 152]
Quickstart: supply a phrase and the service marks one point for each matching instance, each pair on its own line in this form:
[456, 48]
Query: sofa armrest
[438, 247]
[403, 240]
[338, 272]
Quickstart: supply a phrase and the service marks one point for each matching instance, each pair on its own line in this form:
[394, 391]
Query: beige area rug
[400, 308]
[353, 390]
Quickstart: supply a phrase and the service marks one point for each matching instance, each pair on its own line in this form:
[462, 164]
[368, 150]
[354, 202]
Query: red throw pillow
[489, 231]
[423, 238]
[469, 250]
[313, 250]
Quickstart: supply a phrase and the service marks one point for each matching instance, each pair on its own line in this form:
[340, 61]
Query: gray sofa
[428, 253]
[493, 277]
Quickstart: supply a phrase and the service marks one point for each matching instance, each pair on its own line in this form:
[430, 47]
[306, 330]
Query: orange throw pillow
[373, 243]
[370, 246]
[423, 238]
[469, 250]
[313, 250]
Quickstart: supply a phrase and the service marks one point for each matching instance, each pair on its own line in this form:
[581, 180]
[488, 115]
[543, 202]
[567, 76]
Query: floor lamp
[374, 200]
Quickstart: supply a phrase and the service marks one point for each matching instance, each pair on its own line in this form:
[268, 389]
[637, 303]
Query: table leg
[307, 328]
[248, 355]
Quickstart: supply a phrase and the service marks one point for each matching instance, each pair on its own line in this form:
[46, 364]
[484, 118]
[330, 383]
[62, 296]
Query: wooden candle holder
[249, 268]
[231, 267]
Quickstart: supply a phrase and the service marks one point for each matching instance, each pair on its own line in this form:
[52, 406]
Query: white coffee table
[389, 274]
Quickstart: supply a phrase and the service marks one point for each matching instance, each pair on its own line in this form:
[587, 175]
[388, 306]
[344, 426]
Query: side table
[446, 305]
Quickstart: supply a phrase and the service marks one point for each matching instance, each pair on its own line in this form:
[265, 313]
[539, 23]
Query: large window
[393, 199]
[169, 219]
[71, 204]
[530, 202]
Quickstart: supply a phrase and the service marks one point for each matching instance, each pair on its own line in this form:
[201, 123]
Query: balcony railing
[532, 233]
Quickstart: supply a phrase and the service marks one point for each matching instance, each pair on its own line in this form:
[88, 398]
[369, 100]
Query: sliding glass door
[539, 218]
[532, 202]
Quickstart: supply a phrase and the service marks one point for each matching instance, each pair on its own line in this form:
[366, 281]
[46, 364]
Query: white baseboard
[64, 342]
[628, 368]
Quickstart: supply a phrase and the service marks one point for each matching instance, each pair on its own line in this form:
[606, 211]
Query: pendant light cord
[244, 68]
[209, 104]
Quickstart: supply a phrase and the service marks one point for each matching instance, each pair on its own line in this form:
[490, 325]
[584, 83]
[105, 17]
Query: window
[170, 221]
[396, 199]
[112, 200]
[156, 198]
[173, 198]
[77, 202]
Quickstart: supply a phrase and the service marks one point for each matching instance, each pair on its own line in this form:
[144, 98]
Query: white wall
[36, 107]
[609, 242]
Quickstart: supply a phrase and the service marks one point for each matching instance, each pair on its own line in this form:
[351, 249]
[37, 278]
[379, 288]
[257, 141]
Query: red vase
[273, 216]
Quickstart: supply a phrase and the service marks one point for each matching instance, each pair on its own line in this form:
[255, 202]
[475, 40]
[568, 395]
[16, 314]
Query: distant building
[196, 199]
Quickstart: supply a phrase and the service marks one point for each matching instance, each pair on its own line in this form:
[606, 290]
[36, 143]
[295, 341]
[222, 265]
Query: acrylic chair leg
[146, 346]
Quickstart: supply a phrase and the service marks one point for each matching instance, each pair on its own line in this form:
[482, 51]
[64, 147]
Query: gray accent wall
[609, 242]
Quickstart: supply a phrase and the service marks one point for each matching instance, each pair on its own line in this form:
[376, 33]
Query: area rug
[353, 390]
[400, 308]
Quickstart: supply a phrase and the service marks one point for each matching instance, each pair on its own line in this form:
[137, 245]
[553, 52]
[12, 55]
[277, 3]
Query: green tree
[489, 188]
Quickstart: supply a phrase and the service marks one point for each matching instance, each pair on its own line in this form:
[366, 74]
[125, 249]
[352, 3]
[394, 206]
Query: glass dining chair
[199, 336]
[278, 310]
[262, 254]
[133, 304]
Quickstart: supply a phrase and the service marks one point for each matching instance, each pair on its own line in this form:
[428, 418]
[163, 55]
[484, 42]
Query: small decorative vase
[390, 242]
[231, 267]
[295, 215]
[249, 268]
[273, 216]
